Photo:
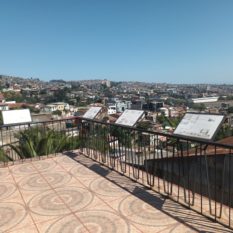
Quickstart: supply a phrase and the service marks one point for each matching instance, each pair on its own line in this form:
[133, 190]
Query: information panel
[16, 116]
[203, 126]
[92, 112]
[129, 117]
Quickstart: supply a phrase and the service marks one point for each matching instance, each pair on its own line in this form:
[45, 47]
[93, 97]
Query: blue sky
[177, 41]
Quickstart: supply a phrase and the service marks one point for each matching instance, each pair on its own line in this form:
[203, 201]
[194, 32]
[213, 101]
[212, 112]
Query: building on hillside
[4, 107]
[165, 111]
[137, 104]
[205, 99]
[61, 106]
[153, 106]
[112, 109]
[121, 106]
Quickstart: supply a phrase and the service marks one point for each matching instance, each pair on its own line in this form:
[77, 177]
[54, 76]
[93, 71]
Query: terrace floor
[64, 194]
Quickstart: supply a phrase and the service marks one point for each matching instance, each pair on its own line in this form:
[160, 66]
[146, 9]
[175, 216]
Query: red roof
[228, 141]
[19, 105]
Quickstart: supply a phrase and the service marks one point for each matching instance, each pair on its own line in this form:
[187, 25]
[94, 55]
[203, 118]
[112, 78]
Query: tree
[225, 131]
[200, 107]
[13, 96]
[57, 112]
[40, 141]
[166, 121]
[144, 125]
[230, 109]
[3, 156]
[122, 135]
[161, 118]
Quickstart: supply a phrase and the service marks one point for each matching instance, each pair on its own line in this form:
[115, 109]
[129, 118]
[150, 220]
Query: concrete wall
[211, 176]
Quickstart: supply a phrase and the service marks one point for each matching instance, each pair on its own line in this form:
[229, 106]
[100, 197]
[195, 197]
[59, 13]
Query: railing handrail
[178, 137]
[200, 141]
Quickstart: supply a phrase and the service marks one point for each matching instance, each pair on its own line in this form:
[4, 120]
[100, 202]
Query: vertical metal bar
[183, 172]
[59, 123]
[107, 145]
[81, 136]
[188, 171]
[229, 187]
[150, 174]
[179, 172]
[2, 145]
[112, 158]
[172, 167]
[223, 184]
[165, 162]
[208, 182]
[215, 184]
[134, 155]
[201, 176]
[11, 152]
[158, 161]
[122, 163]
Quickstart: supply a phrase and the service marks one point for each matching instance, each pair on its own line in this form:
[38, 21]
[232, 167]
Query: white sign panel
[92, 112]
[16, 116]
[201, 126]
[129, 117]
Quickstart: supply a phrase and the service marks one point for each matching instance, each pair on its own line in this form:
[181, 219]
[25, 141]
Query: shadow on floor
[169, 207]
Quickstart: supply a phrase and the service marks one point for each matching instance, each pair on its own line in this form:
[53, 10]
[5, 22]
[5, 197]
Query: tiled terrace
[64, 194]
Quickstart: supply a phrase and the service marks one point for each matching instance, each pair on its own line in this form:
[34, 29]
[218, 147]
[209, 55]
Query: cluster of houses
[77, 96]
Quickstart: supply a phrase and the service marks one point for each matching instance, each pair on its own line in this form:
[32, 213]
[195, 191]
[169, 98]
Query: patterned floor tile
[61, 194]
[65, 224]
[11, 215]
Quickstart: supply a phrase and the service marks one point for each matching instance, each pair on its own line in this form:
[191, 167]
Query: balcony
[108, 178]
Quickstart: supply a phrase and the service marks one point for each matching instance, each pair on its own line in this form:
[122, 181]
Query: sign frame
[91, 111]
[6, 112]
[141, 113]
[211, 138]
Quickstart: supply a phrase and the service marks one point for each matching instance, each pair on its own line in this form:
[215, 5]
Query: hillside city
[116, 116]
[164, 104]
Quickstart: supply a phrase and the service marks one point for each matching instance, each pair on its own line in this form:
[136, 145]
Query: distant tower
[108, 83]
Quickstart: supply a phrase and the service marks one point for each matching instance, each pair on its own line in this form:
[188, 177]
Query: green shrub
[3, 156]
[40, 141]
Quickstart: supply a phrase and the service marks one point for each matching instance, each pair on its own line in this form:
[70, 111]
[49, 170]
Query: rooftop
[72, 193]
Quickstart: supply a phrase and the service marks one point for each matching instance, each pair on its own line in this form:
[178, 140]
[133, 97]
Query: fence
[195, 173]
[29, 141]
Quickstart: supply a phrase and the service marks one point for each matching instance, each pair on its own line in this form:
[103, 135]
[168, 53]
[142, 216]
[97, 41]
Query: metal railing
[195, 173]
[19, 142]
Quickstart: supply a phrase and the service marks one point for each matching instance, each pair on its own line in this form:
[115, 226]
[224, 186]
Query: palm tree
[3, 156]
[39, 141]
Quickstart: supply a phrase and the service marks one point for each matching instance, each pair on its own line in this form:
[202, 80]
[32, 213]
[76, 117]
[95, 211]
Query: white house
[4, 107]
[112, 109]
[61, 106]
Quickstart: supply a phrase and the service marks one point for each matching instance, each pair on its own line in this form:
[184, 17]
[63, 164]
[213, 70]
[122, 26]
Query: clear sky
[178, 41]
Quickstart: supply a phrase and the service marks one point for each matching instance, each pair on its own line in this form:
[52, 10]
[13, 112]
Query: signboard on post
[92, 112]
[129, 117]
[201, 126]
[16, 116]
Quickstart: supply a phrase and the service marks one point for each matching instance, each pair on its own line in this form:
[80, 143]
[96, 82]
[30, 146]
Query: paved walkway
[67, 195]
